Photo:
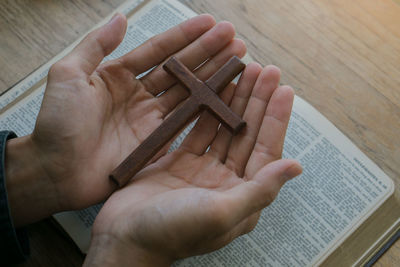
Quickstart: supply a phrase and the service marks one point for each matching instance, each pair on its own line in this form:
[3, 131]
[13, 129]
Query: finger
[247, 224]
[271, 137]
[255, 194]
[88, 54]
[205, 47]
[220, 145]
[206, 127]
[242, 144]
[177, 93]
[158, 48]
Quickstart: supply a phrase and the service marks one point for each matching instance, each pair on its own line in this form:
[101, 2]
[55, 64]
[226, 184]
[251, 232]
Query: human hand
[93, 115]
[195, 200]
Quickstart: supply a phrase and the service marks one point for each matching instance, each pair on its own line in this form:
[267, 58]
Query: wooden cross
[203, 96]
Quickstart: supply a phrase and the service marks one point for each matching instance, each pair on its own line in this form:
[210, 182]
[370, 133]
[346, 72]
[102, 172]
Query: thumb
[257, 193]
[89, 53]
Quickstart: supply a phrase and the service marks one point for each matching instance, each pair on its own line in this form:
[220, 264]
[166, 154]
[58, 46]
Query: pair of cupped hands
[192, 201]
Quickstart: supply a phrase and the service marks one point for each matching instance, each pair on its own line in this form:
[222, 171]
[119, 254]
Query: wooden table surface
[342, 56]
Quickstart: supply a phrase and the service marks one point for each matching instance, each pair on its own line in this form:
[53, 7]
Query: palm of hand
[195, 200]
[172, 197]
[118, 114]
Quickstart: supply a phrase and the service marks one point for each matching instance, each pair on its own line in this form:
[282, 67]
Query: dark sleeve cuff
[14, 243]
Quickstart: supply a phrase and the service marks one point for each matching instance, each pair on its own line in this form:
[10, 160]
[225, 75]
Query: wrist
[107, 250]
[31, 193]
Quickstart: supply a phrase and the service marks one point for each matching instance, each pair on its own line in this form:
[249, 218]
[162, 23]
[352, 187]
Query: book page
[315, 212]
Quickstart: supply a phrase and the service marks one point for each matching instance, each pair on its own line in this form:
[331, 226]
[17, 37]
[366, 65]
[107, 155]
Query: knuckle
[61, 67]
[157, 47]
[270, 196]
[249, 228]
[268, 152]
[92, 35]
[219, 218]
[238, 47]
[250, 223]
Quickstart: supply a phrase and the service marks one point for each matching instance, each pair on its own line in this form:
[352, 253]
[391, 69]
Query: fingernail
[292, 171]
[113, 18]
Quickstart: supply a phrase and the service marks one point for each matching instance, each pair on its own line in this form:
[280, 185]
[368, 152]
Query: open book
[338, 212]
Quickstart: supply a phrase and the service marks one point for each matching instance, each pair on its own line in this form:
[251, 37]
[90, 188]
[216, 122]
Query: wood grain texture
[32, 32]
[341, 56]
